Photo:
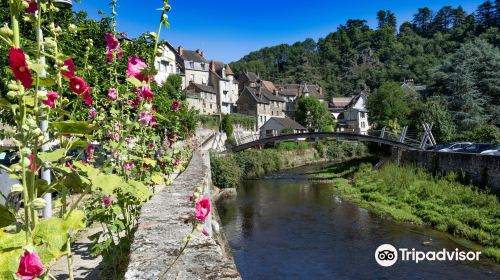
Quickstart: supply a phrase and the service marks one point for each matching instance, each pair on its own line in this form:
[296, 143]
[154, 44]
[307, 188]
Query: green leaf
[6, 217]
[62, 112]
[149, 161]
[9, 262]
[37, 67]
[134, 81]
[137, 190]
[157, 179]
[9, 240]
[47, 82]
[52, 156]
[76, 221]
[73, 127]
[5, 104]
[107, 183]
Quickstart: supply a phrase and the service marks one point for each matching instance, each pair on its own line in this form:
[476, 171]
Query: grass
[410, 194]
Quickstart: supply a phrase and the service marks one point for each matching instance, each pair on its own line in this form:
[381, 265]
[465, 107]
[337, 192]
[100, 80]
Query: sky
[228, 30]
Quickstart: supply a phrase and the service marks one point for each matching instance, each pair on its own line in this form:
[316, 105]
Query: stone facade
[166, 64]
[162, 230]
[262, 104]
[226, 86]
[481, 170]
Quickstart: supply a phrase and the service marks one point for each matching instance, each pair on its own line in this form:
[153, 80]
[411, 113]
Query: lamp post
[44, 124]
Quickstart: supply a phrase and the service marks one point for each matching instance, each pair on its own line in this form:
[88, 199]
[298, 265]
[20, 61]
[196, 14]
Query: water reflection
[283, 227]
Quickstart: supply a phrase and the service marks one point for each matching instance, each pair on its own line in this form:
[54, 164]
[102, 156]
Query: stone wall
[162, 231]
[481, 170]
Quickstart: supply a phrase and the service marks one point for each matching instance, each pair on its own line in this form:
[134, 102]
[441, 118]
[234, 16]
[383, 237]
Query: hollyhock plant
[33, 165]
[32, 8]
[175, 105]
[113, 93]
[87, 98]
[78, 85]
[205, 232]
[92, 113]
[19, 67]
[145, 118]
[135, 68]
[146, 93]
[69, 71]
[128, 166]
[51, 97]
[30, 266]
[113, 48]
[106, 200]
[202, 208]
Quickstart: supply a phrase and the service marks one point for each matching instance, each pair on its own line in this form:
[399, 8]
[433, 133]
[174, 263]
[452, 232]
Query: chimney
[212, 66]
[180, 50]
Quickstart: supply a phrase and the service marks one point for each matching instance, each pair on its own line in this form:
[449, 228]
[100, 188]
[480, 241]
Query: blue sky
[227, 30]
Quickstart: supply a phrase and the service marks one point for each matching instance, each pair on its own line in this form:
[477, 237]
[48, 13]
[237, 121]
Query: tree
[388, 105]
[443, 21]
[313, 114]
[471, 81]
[435, 111]
[485, 15]
[386, 19]
[423, 21]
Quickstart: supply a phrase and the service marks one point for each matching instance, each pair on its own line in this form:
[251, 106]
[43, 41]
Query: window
[164, 66]
[191, 64]
[203, 65]
[363, 115]
[362, 124]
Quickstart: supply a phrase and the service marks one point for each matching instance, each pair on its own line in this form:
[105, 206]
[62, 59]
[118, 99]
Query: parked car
[455, 146]
[492, 152]
[477, 148]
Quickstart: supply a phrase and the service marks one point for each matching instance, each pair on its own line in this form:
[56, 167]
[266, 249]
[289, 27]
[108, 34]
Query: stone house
[248, 79]
[195, 67]
[222, 78]
[202, 98]
[351, 113]
[277, 126]
[260, 103]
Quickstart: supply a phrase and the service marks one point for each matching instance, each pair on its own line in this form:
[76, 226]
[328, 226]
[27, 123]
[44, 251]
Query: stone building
[167, 64]
[292, 92]
[222, 78]
[277, 126]
[202, 98]
[260, 103]
[195, 67]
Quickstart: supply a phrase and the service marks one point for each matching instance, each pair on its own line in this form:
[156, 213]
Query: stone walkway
[85, 266]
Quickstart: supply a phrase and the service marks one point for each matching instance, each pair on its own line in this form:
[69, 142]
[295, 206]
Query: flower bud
[26, 152]
[198, 189]
[6, 31]
[26, 162]
[16, 188]
[42, 94]
[165, 16]
[199, 228]
[25, 4]
[13, 86]
[37, 131]
[38, 203]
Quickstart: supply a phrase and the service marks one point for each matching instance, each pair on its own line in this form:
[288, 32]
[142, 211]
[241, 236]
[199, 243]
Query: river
[286, 227]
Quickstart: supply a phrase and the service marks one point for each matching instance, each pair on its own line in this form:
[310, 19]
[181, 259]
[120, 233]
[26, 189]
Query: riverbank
[410, 194]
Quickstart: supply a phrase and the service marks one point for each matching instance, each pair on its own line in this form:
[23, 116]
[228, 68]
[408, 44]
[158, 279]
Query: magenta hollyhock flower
[92, 113]
[146, 92]
[175, 105]
[19, 66]
[136, 68]
[202, 208]
[205, 232]
[87, 98]
[51, 96]
[113, 93]
[32, 8]
[177, 162]
[78, 85]
[30, 266]
[145, 118]
[33, 165]
[190, 198]
[106, 200]
[70, 72]
[128, 165]
[113, 48]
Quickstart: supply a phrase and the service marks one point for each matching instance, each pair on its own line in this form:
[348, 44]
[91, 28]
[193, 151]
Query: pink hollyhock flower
[92, 113]
[113, 93]
[106, 200]
[153, 122]
[19, 66]
[202, 208]
[30, 266]
[70, 73]
[115, 136]
[78, 85]
[116, 155]
[146, 93]
[87, 98]
[205, 232]
[145, 118]
[135, 68]
[51, 96]
[128, 165]
[32, 8]
[175, 105]
[33, 165]
[177, 162]
[113, 47]
[116, 126]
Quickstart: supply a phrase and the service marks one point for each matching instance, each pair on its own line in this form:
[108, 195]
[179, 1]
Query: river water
[286, 227]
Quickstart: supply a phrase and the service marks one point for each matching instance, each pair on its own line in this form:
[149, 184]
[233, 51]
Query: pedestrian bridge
[377, 136]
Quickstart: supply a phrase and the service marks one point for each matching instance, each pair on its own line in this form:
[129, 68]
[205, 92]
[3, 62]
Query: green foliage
[292, 145]
[227, 125]
[388, 105]
[482, 134]
[246, 121]
[434, 111]
[413, 195]
[313, 114]
[225, 171]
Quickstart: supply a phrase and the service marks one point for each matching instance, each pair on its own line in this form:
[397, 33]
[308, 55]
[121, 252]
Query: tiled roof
[249, 76]
[263, 96]
[269, 86]
[288, 123]
[340, 102]
[192, 56]
[300, 89]
[201, 88]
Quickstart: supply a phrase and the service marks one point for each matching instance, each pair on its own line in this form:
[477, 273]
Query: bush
[482, 134]
[226, 173]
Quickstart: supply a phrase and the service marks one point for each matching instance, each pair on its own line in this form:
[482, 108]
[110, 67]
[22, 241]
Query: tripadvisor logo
[387, 255]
